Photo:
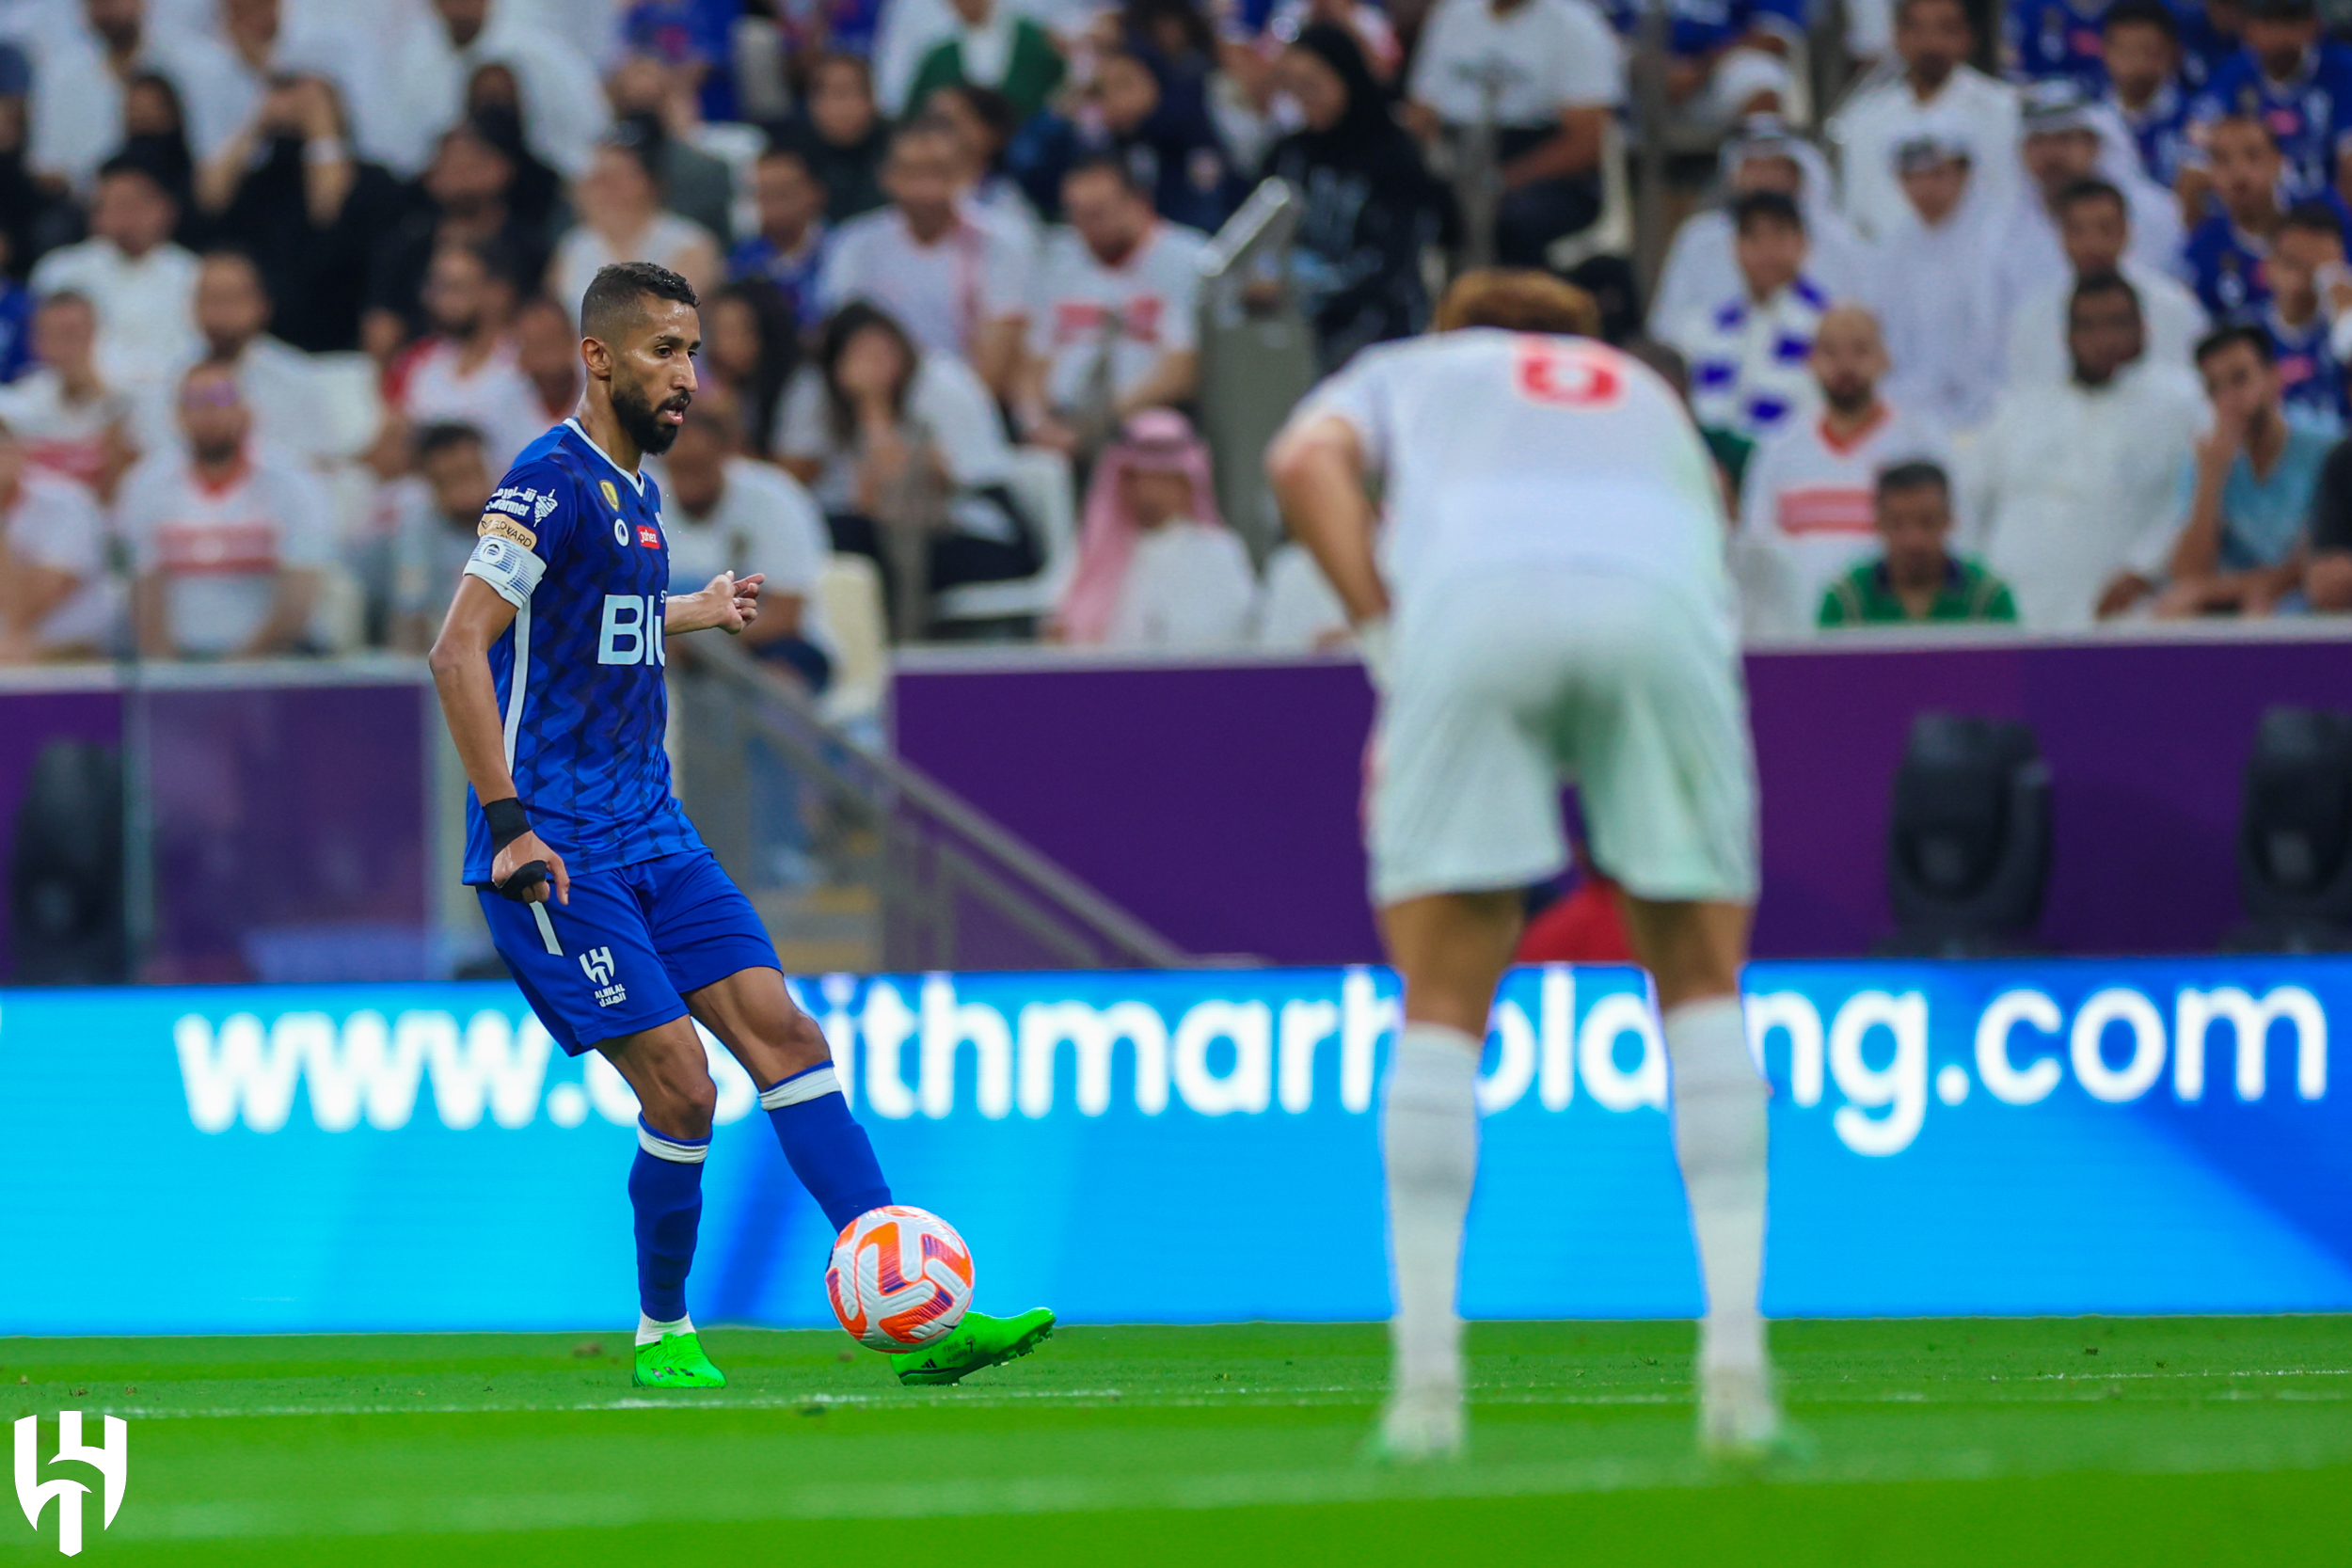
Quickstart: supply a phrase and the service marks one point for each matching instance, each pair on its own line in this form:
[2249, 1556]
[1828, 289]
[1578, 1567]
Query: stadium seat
[852, 593]
[1968, 841]
[1042, 481]
[348, 400]
[2295, 834]
[739, 147]
[1612, 233]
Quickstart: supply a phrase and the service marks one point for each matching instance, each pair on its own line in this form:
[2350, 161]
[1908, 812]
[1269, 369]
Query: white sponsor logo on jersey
[632, 631]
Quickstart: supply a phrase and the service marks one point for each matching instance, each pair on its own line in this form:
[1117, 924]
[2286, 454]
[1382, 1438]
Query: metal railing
[1257, 354]
[945, 887]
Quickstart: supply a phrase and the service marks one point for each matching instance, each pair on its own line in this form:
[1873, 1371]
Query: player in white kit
[1545, 599]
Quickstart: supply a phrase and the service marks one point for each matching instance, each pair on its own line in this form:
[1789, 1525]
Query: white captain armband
[510, 569]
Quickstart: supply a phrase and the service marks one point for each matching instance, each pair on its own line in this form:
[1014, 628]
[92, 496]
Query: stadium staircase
[859, 863]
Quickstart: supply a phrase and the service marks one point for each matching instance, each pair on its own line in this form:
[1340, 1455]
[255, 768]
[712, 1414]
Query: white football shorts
[1505, 685]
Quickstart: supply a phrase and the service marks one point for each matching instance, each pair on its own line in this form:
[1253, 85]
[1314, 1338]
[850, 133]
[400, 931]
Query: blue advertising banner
[1998, 1138]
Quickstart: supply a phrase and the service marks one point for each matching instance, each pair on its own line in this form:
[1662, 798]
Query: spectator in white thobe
[2094, 225]
[1930, 290]
[1935, 85]
[1701, 272]
[86, 51]
[564, 109]
[2072, 481]
[2061, 144]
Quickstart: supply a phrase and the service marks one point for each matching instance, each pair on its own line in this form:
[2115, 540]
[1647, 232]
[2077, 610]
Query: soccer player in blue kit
[617, 923]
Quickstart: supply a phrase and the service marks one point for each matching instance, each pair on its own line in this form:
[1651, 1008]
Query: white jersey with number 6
[1553, 548]
[1502, 449]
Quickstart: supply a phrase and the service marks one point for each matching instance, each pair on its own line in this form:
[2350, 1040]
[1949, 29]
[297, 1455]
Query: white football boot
[1419, 1425]
[1740, 1418]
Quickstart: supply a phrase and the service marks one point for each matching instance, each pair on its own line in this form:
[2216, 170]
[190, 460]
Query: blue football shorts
[622, 956]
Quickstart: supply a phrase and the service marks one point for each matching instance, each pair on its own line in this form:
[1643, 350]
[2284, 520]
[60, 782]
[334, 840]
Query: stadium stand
[1026, 191]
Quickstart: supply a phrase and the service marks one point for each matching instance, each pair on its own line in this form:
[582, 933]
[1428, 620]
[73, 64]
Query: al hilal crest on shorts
[574, 541]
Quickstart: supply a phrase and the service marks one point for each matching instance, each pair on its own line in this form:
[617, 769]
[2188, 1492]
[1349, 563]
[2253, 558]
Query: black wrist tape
[506, 820]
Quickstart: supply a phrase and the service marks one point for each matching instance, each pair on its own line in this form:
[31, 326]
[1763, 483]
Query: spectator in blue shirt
[2246, 497]
[1162, 132]
[2211, 34]
[2141, 47]
[2051, 38]
[16, 319]
[1727, 56]
[2225, 252]
[2309, 249]
[789, 249]
[695, 36]
[2300, 86]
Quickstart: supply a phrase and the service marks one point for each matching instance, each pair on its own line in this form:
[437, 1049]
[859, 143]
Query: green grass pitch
[2152, 1442]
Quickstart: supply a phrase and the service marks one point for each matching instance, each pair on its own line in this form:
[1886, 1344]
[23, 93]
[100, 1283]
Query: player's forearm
[1322, 500]
[470, 704]
[460, 662]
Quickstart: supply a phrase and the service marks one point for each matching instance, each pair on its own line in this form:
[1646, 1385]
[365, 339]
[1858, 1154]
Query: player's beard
[640, 420]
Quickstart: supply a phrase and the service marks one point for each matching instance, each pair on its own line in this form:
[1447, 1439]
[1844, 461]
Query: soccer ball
[900, 1277]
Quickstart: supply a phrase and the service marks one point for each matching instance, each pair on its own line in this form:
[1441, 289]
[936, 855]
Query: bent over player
[1546, 599]
[617, 923]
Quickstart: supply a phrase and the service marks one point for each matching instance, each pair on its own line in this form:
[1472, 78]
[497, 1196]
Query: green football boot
[676, 1361]
[978, 1341]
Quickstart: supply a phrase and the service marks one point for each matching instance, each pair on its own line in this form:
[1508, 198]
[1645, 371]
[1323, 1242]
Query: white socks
[1429, 1142]
[1719, 1143]
[650, 1332]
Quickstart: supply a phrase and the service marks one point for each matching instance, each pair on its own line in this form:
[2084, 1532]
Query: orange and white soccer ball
[900, 1277]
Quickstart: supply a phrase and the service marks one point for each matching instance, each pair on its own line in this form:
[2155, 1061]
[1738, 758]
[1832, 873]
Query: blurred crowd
[286, 284]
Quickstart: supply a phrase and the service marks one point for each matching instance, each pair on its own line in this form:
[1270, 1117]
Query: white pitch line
[1333, 1396]
[1073, 1494]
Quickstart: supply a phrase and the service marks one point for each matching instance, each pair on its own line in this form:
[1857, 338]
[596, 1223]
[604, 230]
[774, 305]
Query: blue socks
[665, 1187]
[826, 1147]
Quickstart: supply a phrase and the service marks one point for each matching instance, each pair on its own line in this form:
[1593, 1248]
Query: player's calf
[786, 1053]
[667, 1070]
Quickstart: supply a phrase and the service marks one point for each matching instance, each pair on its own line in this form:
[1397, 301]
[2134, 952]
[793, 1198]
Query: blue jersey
[2204, 48]
[574, 541]
[2225, 265]
[2159, 132]
[1697, 27]
[16, 329]
[2307, 370]
[794, 276]
[2311, 116]
[2054, 40]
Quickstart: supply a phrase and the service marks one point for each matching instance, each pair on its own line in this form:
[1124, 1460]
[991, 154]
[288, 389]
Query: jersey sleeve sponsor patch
[496, 525]
[510, 569]
[522, 502]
